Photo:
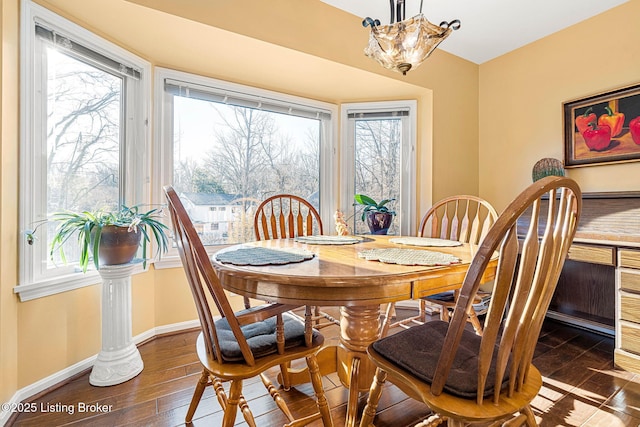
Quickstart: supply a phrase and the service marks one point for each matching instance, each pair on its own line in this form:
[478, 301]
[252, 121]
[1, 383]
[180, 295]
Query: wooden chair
[244, 344]
[466, 219]
[466, 378]
[286, 216]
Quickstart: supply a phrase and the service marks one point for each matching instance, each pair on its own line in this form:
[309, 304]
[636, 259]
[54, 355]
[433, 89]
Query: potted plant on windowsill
[376, 215]
[110, 237]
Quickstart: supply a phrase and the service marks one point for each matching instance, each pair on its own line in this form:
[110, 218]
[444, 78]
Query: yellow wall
[9, 355]
[291, 55]
[521, 96]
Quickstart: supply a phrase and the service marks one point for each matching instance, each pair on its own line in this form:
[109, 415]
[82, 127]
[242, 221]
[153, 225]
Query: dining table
[355, 273]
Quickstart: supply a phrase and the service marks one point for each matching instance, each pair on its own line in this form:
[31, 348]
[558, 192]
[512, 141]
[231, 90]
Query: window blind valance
[238, 99]
[84, 53]
[374, 115]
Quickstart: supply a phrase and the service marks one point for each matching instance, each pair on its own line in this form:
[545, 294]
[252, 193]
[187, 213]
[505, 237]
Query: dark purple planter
[379, 222]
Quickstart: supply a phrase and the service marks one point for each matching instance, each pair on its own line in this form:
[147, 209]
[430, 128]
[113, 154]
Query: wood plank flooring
[581, 388]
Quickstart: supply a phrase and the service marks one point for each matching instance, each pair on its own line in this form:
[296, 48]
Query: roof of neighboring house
[209, 199]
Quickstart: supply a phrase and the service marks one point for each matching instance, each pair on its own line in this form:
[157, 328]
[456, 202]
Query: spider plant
[89, 227]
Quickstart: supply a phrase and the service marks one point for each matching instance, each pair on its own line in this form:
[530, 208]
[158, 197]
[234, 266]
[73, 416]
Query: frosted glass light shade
[406, 44]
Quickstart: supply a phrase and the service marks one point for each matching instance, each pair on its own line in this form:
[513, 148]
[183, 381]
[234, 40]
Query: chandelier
[405, 44]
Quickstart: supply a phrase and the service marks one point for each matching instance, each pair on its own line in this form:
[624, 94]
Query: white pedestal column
[119, 360]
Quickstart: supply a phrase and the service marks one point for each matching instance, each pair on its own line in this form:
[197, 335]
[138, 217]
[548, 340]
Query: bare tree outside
[242, 156]
[377, 158]
[83, 137]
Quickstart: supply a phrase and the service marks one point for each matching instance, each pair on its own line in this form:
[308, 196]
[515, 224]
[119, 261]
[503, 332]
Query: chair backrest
[284, 216]
[463, 218]
[203, 281]
[526, 278]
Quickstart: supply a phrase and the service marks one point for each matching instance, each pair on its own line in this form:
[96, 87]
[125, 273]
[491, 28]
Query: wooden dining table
[337, 275]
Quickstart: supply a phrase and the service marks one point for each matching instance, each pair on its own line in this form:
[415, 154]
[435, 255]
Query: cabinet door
[629, 258]
[604, 255]
[630, 307]
[586, 291]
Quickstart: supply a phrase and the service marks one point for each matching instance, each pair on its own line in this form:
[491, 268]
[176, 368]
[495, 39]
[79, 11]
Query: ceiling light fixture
[405, 44]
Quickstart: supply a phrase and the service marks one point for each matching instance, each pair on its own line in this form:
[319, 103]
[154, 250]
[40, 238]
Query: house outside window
[228, 147]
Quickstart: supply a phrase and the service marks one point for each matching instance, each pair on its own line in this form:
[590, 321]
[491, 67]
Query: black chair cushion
[261, 337]
[448, 296]
[418, 348]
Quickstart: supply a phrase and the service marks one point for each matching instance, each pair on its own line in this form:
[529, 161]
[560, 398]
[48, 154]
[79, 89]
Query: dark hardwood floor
[581, 388]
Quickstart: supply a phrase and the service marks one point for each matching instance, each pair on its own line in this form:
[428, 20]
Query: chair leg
[235, 394]
[374, 397]
[316, 314]
[286, 377]
[444, 314]
[221, 395]
[389, 313]
[531, 419]
[422, 311]
[321, 400]
[246, 412]
[197, 395]
[323, 319]
[475, 322]
[432, 421]
[276, 396]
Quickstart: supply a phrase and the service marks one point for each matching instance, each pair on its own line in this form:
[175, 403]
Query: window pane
[227, 159]
[83, 138]
[377, 165]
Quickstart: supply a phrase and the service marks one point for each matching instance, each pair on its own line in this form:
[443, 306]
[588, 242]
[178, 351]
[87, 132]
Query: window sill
[30, 291]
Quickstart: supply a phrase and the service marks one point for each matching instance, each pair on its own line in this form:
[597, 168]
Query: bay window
[83, 142]
[226, 147]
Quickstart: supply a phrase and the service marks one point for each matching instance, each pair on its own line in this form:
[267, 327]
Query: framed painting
[603, 128]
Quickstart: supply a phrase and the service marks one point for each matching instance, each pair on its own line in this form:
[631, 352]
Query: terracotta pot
[118, 245]
[378, 222]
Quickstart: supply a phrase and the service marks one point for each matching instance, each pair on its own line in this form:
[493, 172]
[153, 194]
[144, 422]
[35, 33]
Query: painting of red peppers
[602, 128]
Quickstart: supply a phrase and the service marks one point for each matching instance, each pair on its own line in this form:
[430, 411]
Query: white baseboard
[60, 376]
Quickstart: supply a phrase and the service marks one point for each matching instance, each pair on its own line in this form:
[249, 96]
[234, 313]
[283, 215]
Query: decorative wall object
[602, 128]
[545, 167]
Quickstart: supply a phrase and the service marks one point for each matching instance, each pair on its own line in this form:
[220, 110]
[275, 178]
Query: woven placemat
[409, 257]
[328, 240]
[424, 241]
[263, 256]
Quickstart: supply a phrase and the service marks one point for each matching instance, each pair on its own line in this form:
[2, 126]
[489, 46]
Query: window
[83, 137]
[233, 146]
[379, 160]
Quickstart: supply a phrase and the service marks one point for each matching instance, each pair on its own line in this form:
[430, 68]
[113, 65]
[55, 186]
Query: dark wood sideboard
[599, 288]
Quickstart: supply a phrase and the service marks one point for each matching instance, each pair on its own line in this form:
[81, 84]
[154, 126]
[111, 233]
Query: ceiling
[490, 28]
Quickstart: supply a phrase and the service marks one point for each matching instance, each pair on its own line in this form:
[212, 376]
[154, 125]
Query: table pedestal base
[359, 327]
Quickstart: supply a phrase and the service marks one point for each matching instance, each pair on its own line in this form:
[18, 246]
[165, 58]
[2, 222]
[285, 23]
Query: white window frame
[163, 142]
[35, 280]
[407, 157]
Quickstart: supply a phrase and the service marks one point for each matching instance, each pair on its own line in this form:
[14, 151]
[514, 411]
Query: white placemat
[424, 241]
[328, 240]
[409, 257]
[263, 256]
